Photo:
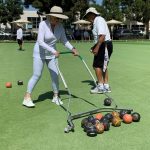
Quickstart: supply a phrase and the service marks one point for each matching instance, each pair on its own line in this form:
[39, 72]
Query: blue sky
[99, 1]
[33, 9]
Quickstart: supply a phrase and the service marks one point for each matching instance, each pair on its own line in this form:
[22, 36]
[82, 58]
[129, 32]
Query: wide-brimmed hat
[57, 12]
[91, 10]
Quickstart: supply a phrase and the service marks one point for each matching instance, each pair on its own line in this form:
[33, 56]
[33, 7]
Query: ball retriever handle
[81, 58]
[69, 52]
[66, 52]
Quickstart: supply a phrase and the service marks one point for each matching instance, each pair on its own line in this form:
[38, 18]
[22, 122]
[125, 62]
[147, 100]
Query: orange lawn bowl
[127, 118]
[99, 116]
[8, 85]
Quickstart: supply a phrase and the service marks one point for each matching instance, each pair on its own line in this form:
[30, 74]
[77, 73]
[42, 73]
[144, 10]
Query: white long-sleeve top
[100, 28]
[19, 34]
[46, 40]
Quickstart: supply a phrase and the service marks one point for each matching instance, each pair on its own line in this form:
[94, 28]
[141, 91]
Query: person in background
[102, 49]
[19, 35]
[86, 35]
[50, 31]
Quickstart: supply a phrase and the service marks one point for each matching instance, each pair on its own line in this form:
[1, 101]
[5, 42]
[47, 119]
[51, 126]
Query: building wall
[33, 17]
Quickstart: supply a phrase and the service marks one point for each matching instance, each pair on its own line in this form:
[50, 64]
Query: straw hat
[91, 10]
[56, 11]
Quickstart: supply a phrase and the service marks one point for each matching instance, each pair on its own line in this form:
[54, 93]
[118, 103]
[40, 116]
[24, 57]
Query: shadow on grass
[90, 83]
[79, 98]
[49, 95]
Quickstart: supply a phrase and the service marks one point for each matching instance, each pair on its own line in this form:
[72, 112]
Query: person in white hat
[50, 31]
[102, 49]
[19, 35]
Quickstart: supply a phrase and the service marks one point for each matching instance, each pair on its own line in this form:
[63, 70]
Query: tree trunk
[147, 30]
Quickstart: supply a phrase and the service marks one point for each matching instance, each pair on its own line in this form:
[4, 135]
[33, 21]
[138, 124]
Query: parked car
[5, 35]
[123, 34]
[138, 33]
[27, 35]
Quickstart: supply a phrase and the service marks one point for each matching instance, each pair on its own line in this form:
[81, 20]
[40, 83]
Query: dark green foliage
[3, 13]
[69, 7]
[11, 10]
[111, 10]
[138, 10]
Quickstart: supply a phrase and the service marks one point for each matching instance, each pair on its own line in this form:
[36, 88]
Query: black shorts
[19, 41]
[99, 58]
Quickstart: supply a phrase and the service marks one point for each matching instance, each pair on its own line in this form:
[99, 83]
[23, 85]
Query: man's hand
[95, 49]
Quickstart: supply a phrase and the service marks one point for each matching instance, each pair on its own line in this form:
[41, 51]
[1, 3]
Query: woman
[102, 49]
[50, 31]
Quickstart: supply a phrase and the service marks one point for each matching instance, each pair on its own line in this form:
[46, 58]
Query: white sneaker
[98, 90]
[28, 103]
[107, 88]
[57, 100]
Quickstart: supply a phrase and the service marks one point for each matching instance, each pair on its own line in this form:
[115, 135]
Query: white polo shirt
[46, 40]
[100, 27]
[19, 34]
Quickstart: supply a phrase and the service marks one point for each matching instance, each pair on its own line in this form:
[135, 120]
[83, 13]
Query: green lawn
[42, 128]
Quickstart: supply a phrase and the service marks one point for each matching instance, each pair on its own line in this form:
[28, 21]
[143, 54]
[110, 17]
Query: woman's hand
[56, 54]
[75, 52]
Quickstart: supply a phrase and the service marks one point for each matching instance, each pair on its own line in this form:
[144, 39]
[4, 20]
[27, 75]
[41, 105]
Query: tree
[10, 11]
[138, 10]
[132, 9]
[14, 8]
[69, 6]
[3, 13]
[111, 10]
[146, 16]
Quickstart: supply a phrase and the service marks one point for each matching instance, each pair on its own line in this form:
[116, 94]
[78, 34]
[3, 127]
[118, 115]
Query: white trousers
[38, 65]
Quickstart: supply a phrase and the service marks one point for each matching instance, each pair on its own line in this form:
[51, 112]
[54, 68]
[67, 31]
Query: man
[102, 49]
[19, 36]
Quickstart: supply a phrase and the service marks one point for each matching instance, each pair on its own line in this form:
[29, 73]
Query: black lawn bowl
[107, 102]
[128, 111]
[91, 119]
[108, 117]
[106, 124]
[104, 119]
[84, 122]
[123, 112]
[87, 126]
[19, 82]
[91, 130]
[136, 117]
